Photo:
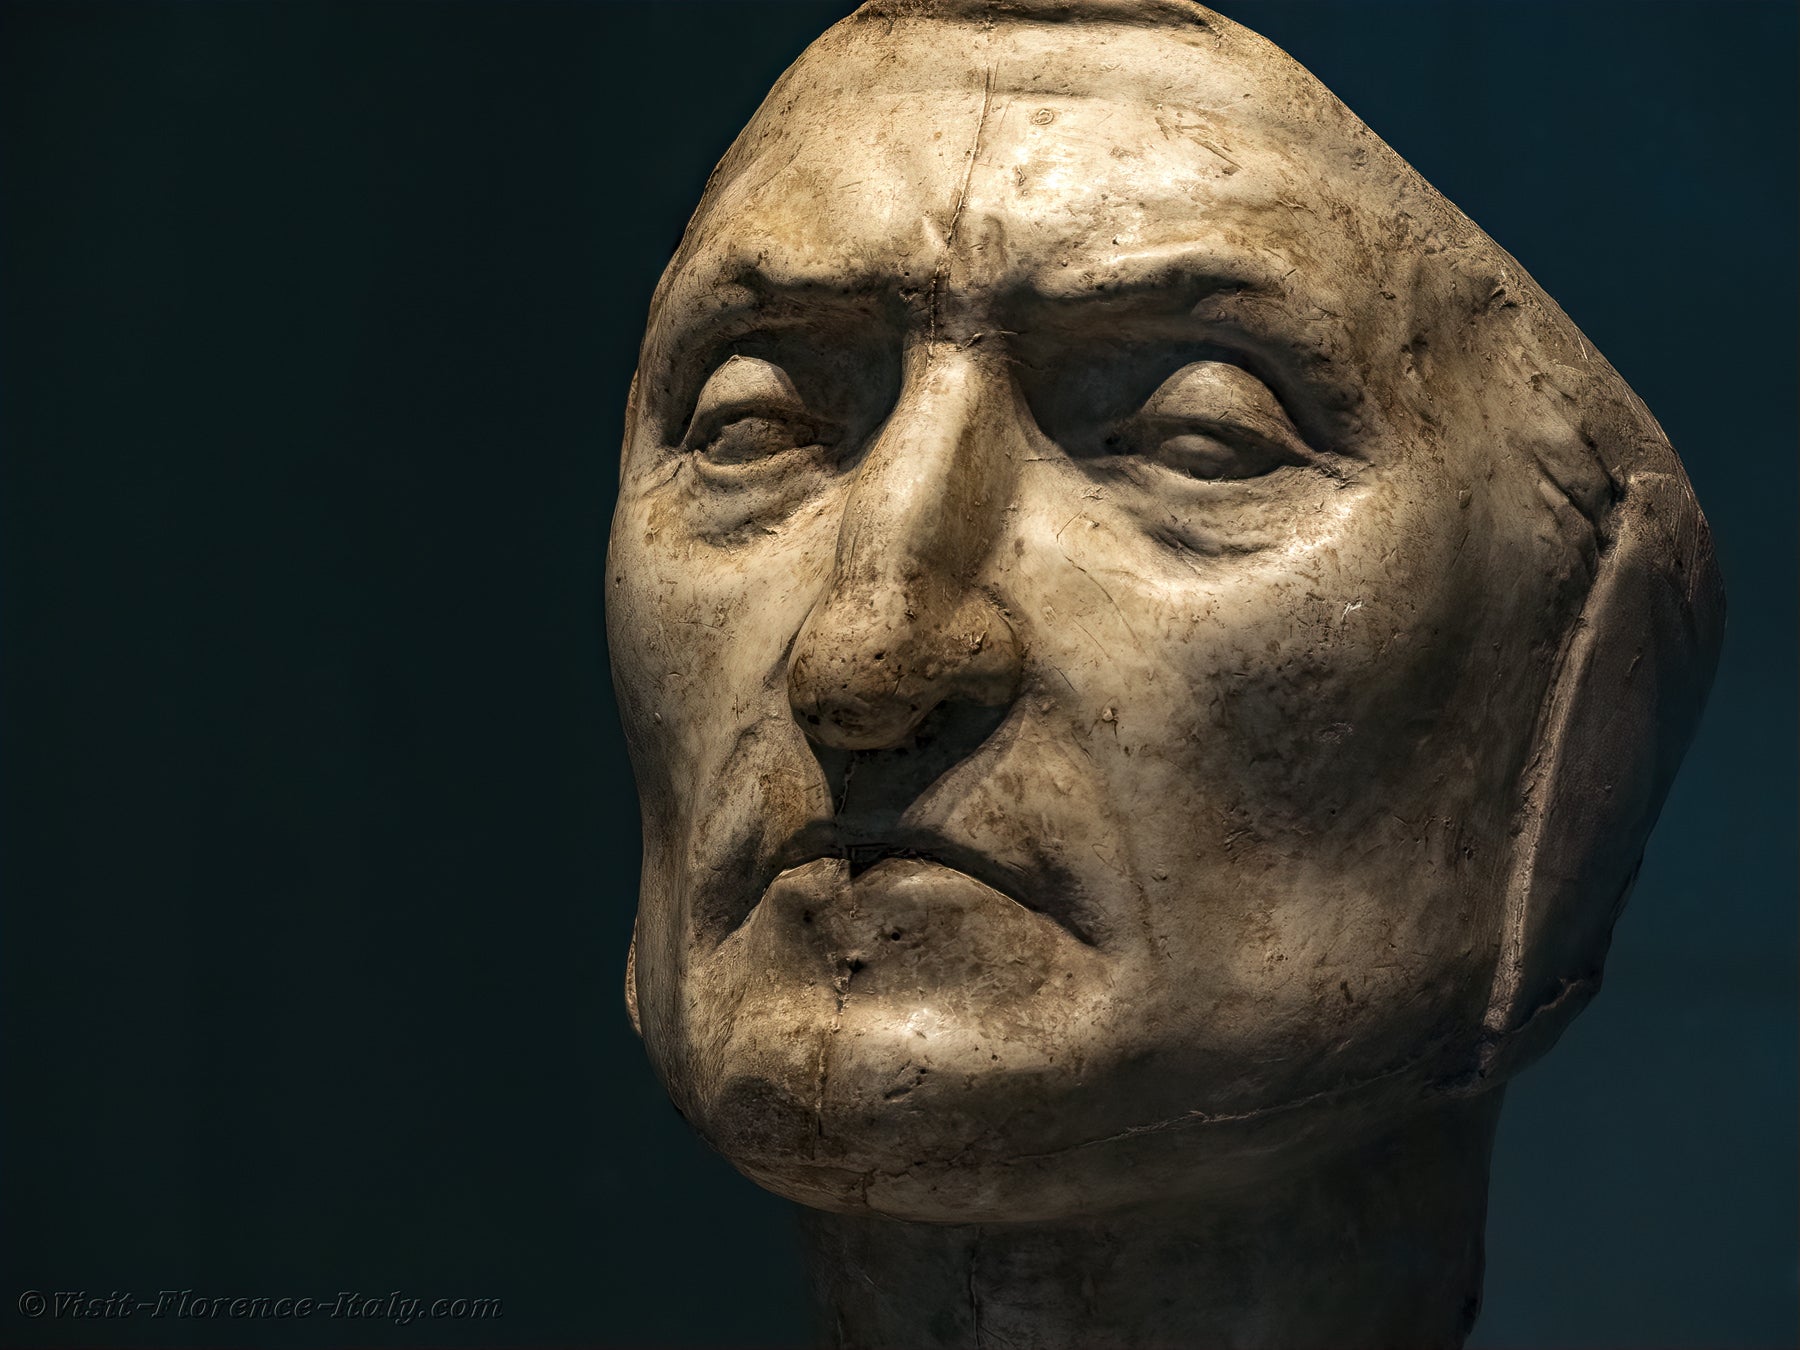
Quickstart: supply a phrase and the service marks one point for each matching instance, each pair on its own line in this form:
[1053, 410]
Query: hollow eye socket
[749, 410]
[1211, 420]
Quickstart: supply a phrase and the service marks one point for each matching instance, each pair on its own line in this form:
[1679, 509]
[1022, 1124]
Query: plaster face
[1081, 597]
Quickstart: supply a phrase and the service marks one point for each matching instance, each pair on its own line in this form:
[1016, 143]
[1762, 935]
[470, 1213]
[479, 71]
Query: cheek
[1293, 687]
[699, 635]
[1330, 687]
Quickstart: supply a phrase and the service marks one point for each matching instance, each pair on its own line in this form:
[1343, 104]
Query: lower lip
[906, 922]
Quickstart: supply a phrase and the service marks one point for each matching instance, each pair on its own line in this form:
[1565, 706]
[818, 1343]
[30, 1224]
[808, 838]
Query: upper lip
[864, 847]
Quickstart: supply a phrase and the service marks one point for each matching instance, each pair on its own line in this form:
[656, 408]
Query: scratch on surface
[1081, 515]
[1108, 594]
[1090, 634]
[1199, 1117]
[1231, 165]
[1065, 679]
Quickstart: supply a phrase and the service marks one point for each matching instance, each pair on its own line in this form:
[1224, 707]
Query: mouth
[863, 853]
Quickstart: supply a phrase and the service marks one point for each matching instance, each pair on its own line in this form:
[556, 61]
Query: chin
[851, 1118]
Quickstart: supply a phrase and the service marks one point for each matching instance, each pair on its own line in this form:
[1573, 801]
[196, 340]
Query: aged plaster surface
[1150, 650]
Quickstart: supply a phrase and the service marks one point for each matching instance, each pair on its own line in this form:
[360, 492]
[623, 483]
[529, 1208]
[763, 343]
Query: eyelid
[1218, 393]
[709, 422]
[744, 386]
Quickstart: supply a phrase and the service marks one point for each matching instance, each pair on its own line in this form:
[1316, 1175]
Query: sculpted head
[1147, 643]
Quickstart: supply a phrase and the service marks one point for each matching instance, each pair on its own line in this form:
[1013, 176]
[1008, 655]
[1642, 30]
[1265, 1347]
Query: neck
[1379, 1248]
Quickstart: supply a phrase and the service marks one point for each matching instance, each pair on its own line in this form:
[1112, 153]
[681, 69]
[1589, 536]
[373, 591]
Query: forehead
[1052, 150]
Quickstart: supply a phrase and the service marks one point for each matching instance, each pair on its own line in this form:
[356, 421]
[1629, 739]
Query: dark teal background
[319, 843]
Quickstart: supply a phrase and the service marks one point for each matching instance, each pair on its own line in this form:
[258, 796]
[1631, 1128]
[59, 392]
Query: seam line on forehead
[941, 271]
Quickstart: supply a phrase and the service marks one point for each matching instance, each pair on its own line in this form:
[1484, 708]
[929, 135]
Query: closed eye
[1211, 420]
[749, 411]
[744, 435]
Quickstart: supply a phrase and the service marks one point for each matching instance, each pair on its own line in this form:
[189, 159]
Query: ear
[631, 983]
[1623, 706]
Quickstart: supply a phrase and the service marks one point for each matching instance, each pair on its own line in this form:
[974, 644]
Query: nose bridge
[926, 501]
[903, 626]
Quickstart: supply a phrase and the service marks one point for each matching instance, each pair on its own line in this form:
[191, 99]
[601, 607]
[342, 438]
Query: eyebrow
[1182, 272]
[1181, 292]
[719, 304]
[1170, 281]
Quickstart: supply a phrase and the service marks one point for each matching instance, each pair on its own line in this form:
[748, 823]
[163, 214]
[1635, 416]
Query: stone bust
[1151, 651]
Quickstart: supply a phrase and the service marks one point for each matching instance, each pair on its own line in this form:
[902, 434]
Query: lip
[834, 839]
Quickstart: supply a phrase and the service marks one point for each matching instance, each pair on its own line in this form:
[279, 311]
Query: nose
[904, 625]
